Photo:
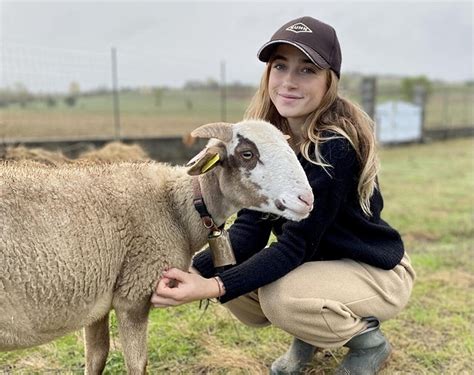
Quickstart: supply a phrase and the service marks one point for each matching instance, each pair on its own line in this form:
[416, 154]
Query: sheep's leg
[97, 345]
[132, 324]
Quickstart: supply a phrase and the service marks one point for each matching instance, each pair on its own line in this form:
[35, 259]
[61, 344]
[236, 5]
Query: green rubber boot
[294, 360]
[368, 352]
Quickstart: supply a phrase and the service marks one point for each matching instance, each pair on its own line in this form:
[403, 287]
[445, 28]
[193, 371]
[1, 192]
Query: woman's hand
[177, 287]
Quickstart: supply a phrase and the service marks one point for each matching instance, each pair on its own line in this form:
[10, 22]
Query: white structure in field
[398, 122]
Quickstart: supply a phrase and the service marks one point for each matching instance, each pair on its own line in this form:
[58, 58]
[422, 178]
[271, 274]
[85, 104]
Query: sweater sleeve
[298, 241]
[248, 234]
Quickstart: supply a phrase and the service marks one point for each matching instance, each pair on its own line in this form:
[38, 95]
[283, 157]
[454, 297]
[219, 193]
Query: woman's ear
[206, 160]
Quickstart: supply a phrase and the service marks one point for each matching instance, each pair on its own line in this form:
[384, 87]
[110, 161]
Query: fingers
[167, 282]
[175, 273]
[169, 290]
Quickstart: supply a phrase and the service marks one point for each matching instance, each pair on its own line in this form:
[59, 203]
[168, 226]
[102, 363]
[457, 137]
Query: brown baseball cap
[314, 38]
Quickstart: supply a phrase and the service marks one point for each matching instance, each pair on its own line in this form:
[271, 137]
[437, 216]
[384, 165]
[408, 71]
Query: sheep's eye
[247, 155]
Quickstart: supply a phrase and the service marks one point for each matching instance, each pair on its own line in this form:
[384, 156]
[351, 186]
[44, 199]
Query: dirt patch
[221, 357]
[424, 237]
[457, 278]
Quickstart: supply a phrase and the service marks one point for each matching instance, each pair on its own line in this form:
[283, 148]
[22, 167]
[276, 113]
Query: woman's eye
[278, 66]
[308, 71]
[247, 155]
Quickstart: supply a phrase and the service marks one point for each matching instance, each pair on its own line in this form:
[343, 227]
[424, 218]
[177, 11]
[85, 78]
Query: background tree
[158, 95]
[21, 94]
[408, 86]
[50, 101]
[74, 91]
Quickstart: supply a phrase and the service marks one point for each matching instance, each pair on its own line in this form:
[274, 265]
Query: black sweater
[336, 228]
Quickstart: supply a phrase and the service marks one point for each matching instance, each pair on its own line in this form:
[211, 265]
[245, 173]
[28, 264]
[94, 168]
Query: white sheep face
[260, 171]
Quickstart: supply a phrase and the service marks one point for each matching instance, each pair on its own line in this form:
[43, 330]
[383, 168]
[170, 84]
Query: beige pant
[323, 302]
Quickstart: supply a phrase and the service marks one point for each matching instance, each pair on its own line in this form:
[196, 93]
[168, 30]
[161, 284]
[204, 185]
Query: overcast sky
[49, 44]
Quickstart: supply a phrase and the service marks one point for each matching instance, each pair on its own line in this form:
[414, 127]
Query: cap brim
[265, 53]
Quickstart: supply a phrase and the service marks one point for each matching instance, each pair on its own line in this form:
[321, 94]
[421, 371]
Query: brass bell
[221, 249]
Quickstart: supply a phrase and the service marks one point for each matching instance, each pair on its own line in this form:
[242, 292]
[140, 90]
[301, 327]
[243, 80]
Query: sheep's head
[256, 168]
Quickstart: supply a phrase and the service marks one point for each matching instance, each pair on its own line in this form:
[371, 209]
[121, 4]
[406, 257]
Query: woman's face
[295, 84]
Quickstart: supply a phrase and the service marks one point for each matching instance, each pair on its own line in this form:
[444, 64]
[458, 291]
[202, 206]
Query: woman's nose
[288, 83]
[289, 80]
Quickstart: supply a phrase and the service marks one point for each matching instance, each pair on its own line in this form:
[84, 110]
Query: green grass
[428, 197]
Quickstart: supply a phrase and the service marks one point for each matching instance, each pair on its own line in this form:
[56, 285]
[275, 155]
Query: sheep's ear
[206, 160]
[219, 130]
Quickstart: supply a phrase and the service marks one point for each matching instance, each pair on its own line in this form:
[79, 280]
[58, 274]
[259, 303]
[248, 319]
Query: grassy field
[177, 112]
[428, 197]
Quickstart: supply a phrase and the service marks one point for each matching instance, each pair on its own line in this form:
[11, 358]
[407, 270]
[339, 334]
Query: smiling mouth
[285, 96]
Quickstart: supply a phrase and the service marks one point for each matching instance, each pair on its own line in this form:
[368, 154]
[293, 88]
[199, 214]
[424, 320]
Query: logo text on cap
[299, 27]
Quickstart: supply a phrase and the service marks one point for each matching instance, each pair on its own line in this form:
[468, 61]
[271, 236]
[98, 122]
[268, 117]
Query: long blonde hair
[336, 116]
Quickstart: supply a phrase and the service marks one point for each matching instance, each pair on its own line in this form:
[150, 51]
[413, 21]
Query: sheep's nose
[307, 198]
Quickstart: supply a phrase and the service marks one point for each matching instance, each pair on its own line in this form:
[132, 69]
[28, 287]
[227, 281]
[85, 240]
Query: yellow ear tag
[210, 163]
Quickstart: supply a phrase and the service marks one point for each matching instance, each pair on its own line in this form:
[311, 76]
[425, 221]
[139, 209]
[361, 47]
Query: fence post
[116, 102]
[419, 98]
[223, 93]
[446, 107]
[368, 94]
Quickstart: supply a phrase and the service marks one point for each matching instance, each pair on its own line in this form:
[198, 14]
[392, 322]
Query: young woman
[330, 279]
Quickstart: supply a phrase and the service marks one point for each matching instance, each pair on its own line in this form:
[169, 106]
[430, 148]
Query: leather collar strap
[201, 208]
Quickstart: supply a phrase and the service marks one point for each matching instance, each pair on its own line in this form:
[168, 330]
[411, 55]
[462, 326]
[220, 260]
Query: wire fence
[71, 94]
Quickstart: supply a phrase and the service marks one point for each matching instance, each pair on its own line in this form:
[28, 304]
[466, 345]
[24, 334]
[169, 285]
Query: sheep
[114, 152]
[111, 152]
[79, 240]
[38, 155]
